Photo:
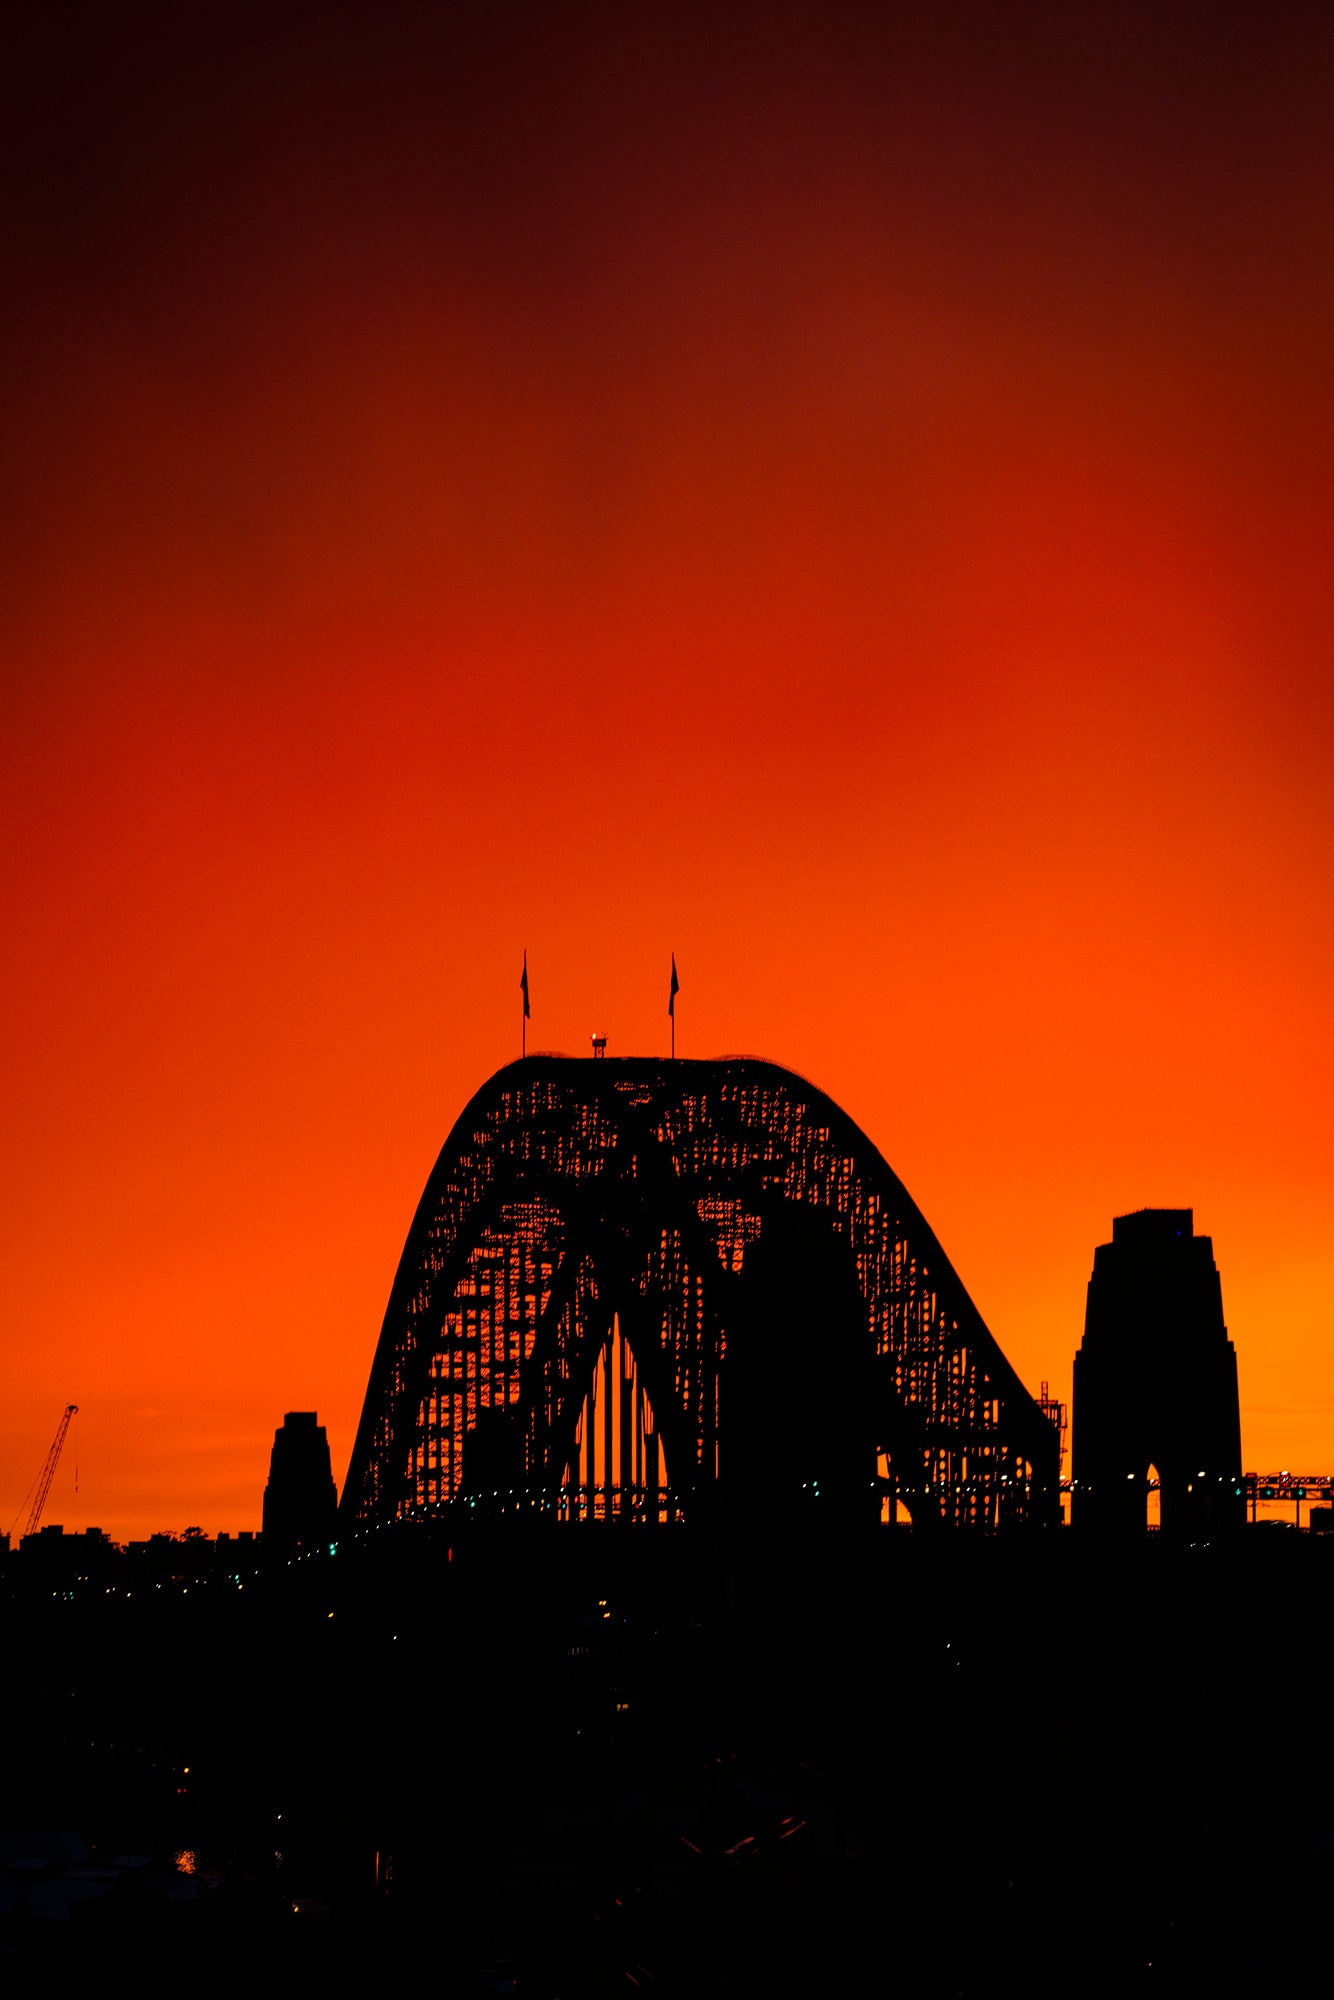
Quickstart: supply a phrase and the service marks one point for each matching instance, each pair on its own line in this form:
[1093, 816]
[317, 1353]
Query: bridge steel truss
[558, 1331]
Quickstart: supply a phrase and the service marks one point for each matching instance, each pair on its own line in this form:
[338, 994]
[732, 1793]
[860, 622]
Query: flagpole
[672, 992]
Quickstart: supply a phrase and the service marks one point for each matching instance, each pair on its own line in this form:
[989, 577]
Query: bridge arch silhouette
[646, 1291]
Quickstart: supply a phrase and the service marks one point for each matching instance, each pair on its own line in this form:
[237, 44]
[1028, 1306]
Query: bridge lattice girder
[574, 1197]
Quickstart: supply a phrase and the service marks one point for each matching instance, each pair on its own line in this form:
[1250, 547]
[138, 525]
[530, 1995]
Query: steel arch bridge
[642, 1291]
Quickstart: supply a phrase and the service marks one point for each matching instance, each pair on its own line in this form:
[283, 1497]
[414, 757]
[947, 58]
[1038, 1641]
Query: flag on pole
[675, 989]
[523, 984]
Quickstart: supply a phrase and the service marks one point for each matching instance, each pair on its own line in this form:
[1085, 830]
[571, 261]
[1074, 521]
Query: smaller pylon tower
[300, 1500]
[1156, 1384]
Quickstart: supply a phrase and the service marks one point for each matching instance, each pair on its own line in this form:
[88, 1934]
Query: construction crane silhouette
[47, 1473]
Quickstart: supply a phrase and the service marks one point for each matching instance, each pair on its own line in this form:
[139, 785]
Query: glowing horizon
[843, 501]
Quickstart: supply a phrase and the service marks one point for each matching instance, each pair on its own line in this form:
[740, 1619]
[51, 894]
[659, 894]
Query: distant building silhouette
[300, 1501]
[60, 1559]
[1156, 1384]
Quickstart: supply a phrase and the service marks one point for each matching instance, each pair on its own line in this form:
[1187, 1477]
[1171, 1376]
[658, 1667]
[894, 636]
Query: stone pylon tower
[300, 1500]
[1156, 1384]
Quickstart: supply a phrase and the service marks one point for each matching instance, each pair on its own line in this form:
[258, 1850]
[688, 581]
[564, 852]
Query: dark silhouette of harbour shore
[412, 1766]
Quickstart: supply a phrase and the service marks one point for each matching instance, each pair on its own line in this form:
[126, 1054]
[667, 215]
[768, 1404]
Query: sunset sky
[842, 494]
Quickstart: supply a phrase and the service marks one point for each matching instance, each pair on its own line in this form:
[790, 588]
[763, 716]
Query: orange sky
[847, 502]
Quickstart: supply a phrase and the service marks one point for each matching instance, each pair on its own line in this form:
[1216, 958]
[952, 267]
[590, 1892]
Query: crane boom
[49, 1469]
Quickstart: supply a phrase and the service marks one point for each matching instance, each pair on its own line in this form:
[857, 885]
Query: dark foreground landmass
[588, 1763]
